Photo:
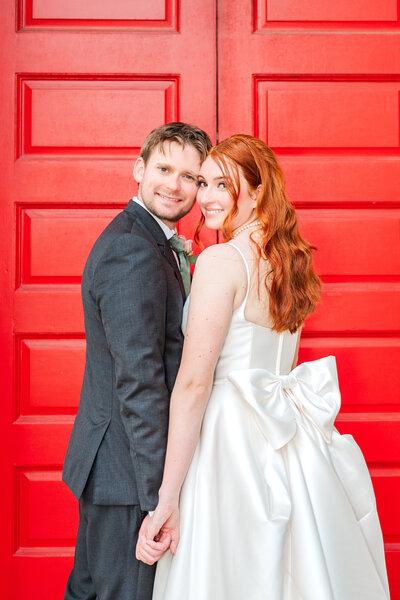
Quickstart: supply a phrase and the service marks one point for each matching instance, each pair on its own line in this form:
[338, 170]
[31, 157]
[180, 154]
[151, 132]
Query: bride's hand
[157, 533]
[169, 518]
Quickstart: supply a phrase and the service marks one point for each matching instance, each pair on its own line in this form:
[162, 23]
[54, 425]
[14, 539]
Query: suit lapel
[153, 228]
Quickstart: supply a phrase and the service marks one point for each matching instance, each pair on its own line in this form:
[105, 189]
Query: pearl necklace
[252, 224]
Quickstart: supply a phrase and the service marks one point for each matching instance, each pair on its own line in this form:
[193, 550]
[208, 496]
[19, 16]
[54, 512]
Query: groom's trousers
[105, 566]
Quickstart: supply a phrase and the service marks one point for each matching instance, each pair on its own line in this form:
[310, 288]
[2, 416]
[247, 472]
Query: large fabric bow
[312, 388]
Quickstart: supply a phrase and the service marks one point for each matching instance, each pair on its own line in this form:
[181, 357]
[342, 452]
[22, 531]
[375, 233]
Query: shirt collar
[167, 231]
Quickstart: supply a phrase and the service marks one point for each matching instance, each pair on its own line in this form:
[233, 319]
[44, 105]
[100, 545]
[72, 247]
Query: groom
[133, 294]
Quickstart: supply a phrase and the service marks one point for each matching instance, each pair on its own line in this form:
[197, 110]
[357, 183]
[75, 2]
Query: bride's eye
[201, 184]
[222, 185]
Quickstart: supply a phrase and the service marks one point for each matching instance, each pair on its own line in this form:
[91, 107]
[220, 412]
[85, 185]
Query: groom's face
[168, 181]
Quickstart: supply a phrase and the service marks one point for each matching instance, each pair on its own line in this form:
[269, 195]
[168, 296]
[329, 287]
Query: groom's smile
[168, 198]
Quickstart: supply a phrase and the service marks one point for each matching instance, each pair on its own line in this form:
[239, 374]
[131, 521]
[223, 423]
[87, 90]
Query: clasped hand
[157, 534]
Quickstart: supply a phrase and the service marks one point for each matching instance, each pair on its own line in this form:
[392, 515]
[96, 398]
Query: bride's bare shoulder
[218, 264]
[217, 253]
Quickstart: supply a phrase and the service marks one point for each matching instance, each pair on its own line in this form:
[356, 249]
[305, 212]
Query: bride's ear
[255, 193]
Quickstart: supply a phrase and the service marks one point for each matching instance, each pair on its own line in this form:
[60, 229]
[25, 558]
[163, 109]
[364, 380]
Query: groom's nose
[174, 182]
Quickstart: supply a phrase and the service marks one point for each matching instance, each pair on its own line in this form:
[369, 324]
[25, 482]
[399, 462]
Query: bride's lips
[214, 211]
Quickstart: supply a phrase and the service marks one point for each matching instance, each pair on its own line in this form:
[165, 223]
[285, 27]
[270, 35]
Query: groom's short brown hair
[181, 133]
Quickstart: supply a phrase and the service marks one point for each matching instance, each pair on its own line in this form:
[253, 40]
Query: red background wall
[81, 85]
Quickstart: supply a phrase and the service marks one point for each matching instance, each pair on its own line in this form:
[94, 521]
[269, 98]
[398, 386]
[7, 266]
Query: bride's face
[215, 201]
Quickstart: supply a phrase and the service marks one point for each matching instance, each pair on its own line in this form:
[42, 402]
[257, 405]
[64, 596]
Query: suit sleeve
[130, 288]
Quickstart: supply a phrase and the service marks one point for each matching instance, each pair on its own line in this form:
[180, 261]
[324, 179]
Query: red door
[82, 84]
[319, 82]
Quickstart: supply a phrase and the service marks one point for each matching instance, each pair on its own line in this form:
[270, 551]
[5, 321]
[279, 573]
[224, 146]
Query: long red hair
[293, 287]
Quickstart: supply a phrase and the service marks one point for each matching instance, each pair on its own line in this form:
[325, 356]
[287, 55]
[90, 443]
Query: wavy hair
[292, 285]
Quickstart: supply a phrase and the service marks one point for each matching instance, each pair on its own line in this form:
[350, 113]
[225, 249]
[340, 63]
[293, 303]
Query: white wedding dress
[276, 505]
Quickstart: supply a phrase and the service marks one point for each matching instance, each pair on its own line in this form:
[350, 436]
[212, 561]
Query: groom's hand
[150, 550]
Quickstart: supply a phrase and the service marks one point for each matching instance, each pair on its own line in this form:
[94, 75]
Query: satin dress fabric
[276, 505]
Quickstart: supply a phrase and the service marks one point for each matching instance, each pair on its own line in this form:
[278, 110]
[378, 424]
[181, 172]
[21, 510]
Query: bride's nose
[204, 196]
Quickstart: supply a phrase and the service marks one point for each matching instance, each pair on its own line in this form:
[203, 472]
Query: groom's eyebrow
[193, 173]
[170, 166]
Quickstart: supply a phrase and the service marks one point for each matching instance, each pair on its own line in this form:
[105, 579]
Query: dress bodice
[251, 346]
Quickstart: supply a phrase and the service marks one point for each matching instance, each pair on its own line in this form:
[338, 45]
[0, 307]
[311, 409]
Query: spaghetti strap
[243, 305]
[242, 309]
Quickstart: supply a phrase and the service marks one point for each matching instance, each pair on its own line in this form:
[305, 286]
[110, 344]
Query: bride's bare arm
[211, 305]
[217, 283]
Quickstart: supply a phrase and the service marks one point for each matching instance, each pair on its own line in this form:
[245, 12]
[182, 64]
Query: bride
[261, 498]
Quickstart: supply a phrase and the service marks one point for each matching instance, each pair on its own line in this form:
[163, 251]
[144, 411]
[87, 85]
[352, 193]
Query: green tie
[184, 268]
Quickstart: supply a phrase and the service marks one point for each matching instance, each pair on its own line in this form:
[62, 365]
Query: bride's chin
[212, 226]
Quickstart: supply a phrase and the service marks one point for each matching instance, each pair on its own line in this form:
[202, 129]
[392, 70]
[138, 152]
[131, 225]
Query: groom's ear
[138, 169]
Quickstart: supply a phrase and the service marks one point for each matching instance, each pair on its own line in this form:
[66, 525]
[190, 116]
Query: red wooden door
[319, 82]
[82, 84]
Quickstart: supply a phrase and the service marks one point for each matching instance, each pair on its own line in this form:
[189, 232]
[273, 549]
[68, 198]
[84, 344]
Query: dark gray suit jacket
[133, 297]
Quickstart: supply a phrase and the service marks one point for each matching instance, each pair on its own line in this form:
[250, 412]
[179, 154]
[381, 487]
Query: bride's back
[250, 341]
[257, 304]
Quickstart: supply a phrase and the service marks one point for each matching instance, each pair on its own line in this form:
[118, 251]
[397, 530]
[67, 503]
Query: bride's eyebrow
[220, 178]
